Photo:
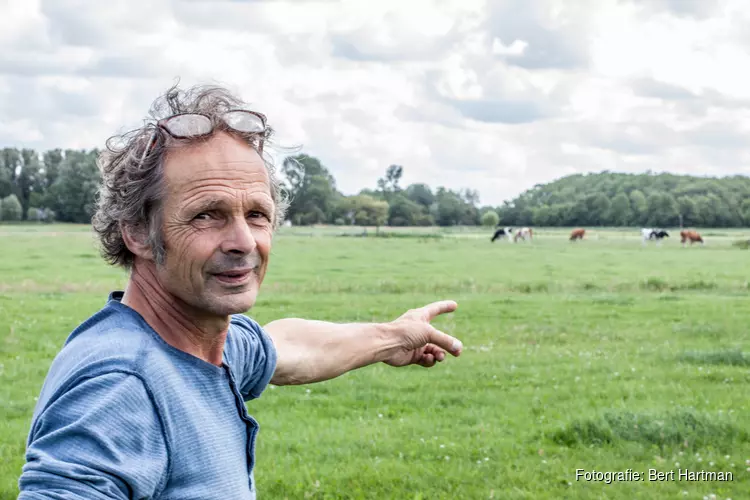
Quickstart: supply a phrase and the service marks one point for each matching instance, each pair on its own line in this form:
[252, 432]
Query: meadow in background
[600, 354]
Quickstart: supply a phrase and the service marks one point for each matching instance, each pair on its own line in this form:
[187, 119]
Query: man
[147, 397]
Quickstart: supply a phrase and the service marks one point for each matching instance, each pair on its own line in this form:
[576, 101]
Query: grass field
[597, 355]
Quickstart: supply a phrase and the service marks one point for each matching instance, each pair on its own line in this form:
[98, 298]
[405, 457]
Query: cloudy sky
[493, 95]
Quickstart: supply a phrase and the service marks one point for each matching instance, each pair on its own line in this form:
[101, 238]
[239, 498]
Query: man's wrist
[387, 341]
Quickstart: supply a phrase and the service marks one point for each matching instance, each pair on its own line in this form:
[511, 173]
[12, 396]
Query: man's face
[218, 215]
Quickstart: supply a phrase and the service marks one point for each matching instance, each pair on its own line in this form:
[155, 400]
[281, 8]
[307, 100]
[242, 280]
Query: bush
[34, 214]
[10, 208]
[490, 219]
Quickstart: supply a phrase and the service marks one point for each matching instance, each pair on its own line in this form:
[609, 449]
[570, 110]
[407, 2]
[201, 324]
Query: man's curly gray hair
[131, 192]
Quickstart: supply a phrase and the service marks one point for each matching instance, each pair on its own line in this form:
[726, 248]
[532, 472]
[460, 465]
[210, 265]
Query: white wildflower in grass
[442, 446]
[711, 464]
[731, 465]
[726, 457]
[447, 457]
[677, 464]
[486, 459]
[380, 415]
[308, 391]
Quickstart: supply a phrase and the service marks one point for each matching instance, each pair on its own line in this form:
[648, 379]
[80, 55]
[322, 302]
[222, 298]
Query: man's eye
[256, 215]
[202, 216]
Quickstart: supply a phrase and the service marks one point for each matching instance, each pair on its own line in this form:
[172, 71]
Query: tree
[311, 188]
[364, 210]
[688, 210]
[421, 194]
[746, 211]
[598, 206]
[388, 185]
[73, 195]
[10, 208]
[620, 213]
[662, 210]
[449, 208]
[639, 206]
[490, 219]
[28, 179]
[52, 160]
[403, 212]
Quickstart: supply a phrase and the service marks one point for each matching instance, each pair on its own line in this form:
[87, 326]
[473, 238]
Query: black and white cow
[503, 232]
[650, 234]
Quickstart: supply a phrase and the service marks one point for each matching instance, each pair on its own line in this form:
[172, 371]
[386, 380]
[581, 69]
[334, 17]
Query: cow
[523, 233]
[503, 232]
[649, 234]
[691, 235]
[577, 234]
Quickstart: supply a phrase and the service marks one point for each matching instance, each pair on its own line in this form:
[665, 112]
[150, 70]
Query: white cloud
[494, 95]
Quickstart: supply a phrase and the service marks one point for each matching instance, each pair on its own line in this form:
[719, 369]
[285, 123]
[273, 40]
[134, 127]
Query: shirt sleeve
[251, 356]
[102, 438]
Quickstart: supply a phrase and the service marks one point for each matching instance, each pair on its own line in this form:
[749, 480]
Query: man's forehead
[215, 161]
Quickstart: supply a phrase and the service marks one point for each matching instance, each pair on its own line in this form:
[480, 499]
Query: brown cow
[691, 235]
[523, 233]
[577, 234]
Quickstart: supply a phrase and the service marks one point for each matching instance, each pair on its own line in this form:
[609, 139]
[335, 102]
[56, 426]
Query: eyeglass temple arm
[147, 148]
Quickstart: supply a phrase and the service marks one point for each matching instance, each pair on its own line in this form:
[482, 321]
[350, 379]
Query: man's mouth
[234, 277]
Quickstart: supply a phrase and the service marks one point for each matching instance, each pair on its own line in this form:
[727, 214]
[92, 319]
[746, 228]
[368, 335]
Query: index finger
[437, 308]
[445, 341]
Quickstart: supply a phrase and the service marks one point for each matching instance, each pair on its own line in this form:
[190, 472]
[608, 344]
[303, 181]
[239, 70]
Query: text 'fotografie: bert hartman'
[653, 475]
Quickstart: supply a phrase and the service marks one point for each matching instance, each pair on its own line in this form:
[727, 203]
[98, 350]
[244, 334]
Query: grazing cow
[577, 234]
[503, 232]
[691, 235]
[649, 234]
[523, 233]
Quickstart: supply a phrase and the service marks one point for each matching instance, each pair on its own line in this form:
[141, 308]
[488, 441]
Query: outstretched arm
[312, 351]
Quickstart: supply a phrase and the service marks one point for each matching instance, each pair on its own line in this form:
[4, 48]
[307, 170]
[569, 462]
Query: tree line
[60, 185]
[618, 199]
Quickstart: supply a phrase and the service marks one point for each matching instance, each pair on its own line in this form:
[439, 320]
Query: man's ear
[136, 239]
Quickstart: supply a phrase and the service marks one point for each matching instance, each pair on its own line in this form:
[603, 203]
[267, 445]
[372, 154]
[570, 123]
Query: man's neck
[175, 322]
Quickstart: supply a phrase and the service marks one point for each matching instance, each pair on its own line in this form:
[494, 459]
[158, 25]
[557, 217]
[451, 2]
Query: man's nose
[239, 238]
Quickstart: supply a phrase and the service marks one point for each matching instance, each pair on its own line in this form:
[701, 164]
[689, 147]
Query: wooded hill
[617, 199]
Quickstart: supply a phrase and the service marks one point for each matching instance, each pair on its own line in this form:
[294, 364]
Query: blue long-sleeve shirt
[124, 415]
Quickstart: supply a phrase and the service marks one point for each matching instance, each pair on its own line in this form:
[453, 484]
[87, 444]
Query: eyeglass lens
[244, 121]
[189, 125]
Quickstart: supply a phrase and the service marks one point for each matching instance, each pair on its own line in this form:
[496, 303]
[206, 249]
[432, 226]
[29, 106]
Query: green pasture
[602, 355]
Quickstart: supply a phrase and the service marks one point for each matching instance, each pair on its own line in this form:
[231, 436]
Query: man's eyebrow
[206, 204]
[263, 204]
